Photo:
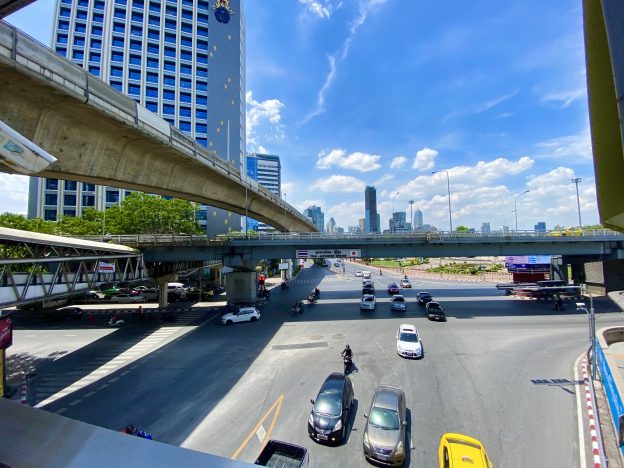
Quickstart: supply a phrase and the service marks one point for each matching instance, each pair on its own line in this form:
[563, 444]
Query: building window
[138, 4]
[202, 72]
[134, 89]
[96, 44]
[118, 42]
[66, 2]
[98, 5]
[170, 38]
[136, 16]
[117, 85]
[152, 34]
[152, 48]
[185, 55]
[135, 45]
[71, 213]
[152, 77]
[119, 13]
[63, 26]
[83, 3]
[112, 197]
[187, 14]
[185, 126]
[169, 80]
[170, 121]
[201, 58]
[88, 200]
[80, 28]
[202, 45]
[116, 56]
[188, 3]
[94, 70]
[98, 18]
[186, 69]
[120, 2]
[51, 198]
[86, 187]
[186, 27]
[65, 13]
[116, 71]
[135, 75]
[185, 83]
[52, 184]
[170, 66]
[202, 32]
[69, 200]
[78, 55]
[81, 15]
[201, 5]
[202, 141]
[154, 6]
[136, 30]
[151, 92]
[119, 27]
[152, 106]
[201, 18]
[186, 41]
[185, 112]
[95, 57]
[79, 41]
[152, 63]
[201, 100]
[169, 95]
[61, 39]
[171, 10]
[62, 51]
[49, 215]
[96, 30]
[135, 59]
[201, 128]
[154, 20]
[201, 114]
[168, 109]
[169, 52]
[185, 97]
[200, 86]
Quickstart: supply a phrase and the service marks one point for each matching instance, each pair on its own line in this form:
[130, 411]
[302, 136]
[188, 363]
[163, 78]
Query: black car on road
[424, 297]
[435, 312]
[332, 409]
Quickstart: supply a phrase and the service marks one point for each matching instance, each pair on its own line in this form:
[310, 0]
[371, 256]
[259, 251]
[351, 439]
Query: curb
[590, 415]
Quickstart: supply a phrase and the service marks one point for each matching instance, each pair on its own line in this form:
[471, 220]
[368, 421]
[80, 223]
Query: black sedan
[435, 312]
[424, 297]
[332, 409]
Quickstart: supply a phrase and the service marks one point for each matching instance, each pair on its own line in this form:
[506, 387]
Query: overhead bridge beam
[101, 136]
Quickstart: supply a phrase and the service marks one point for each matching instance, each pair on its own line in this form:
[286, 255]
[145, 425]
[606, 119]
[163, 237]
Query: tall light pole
[516, 206]
[411, 203]
[448, 188]
[393, 198]
[576, 181]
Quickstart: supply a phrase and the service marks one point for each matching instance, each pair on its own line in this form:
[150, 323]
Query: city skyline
[503, 118]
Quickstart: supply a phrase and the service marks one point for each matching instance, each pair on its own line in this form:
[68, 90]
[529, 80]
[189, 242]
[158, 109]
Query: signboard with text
[104, 267]
[533, 263]
[329, 253]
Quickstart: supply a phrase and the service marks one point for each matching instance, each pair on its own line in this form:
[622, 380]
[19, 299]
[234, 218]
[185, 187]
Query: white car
[358, 274]
[366, 275]
[368, 302]
[408, 342]
[244, 314]
[405, 283]
[398, 303]
[124, 298]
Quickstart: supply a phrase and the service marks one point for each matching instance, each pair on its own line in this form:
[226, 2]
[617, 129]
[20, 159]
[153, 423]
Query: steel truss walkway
[38, 267]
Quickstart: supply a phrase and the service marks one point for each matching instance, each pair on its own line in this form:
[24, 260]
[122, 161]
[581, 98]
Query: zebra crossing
[54, 386]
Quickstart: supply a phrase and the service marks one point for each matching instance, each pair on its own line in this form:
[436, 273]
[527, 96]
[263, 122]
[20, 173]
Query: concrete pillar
[163, 296]
[559, 269]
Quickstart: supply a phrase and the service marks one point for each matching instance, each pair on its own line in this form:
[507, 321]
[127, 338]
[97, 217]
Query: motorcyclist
[284, 285]
[317, 292]
[405, 277]
[380, 272]
[347, 353]
[130, 429]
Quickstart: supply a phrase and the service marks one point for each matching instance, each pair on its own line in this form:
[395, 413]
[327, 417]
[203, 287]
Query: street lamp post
[393, 222]
[576, 181]
[516, 206]
[448, 188]
[411, 203]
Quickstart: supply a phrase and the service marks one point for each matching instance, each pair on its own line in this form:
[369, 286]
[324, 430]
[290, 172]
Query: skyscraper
[173, 58]
[371, 218]
[485, 228]
[418, 219]
[267, 171]
[316, 216]
[331, 225]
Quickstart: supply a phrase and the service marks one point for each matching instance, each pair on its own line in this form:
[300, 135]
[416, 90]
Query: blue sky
[383, 92]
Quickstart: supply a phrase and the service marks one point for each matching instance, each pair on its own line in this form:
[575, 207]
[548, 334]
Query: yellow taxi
[462, 451]
[566, 232]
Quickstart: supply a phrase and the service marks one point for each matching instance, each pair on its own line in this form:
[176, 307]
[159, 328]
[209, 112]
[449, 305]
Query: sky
[352, 93]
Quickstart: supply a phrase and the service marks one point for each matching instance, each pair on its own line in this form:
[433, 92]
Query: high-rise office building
[171, 57]
[371, 217]
[398, 222]
[485, 228]
[418, 219]
[361, 225]
[331, 225]
[315, 215]
[540, 227]
[267, 171]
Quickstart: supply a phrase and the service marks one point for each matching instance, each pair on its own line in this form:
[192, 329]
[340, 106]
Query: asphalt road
[499, 370]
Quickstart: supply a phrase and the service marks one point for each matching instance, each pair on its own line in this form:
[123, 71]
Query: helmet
[348, 347]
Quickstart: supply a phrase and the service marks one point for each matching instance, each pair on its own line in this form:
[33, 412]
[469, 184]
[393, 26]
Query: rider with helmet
[347, 353]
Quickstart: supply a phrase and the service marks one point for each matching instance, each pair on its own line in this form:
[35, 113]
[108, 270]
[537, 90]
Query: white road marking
[89, 394]
[75, 402]
[261, 433]
[582, 455]
[61, 411]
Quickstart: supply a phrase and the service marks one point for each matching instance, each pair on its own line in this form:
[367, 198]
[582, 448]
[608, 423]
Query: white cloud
[346, 213]
[339, 183]
[365, 7]
[383, 179]
[480, 107]
[357, 161]
[13, 193]
[288, 187]
[321, 8]
[262, 149]
[566, 97]
[398, 162]
[263, 117]
[425, 159]
[571, 148]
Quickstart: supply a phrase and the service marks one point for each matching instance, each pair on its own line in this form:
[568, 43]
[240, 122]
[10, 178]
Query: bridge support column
[163, 296]
[287, 274]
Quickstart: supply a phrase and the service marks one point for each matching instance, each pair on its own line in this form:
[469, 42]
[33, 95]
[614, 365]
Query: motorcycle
[297, 308]
[312, 299]
[316, 292]
[285, 285]
[348, 363]
[131, 430]
[116, 322]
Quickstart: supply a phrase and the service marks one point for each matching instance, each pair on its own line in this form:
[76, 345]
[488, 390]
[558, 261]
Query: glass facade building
[267, 171]
[315, 215]
[371, 217]
[173, 58]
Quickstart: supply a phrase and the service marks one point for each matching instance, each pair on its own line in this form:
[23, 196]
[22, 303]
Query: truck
[278, 454]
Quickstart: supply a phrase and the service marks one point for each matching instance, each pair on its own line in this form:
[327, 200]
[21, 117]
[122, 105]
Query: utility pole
[448, 188]
[411, 204]
[516, 206]
[576, 181]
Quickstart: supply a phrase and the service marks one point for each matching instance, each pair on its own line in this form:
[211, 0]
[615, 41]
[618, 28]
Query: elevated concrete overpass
[101, 136]
[8, 7]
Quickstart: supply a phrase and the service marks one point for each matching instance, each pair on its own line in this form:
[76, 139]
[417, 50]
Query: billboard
[528, 263]
[6, 331]
[104, 267]
[329, 253]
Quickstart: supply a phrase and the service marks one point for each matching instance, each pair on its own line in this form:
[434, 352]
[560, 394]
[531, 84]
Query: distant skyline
[382, 92]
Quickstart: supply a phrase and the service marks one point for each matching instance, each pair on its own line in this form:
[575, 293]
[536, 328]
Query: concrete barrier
[608, 366]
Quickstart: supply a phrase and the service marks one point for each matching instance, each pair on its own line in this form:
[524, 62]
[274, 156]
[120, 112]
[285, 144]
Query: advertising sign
[284, 266]
[329, 253]
[104, 267]
[534, 263]
[6, 331]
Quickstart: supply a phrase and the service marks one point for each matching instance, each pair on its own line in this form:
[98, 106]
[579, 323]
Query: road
[500, 370]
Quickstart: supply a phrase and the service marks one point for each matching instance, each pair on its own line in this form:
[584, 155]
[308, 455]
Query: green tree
[461, 229]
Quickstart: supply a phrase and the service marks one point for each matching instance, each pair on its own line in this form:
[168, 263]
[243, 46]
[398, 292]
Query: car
[331, 409]
[393, 288]
[127, 298]
[244, 314]
[405, 283]
[459, 450]
[398, 303]
[423, 298]
[368, 302]
[337, 264]
[386, 424]
[151, 294]
[366, 274]
[358, 274]
[435, 311]
[368, 288]
[408, 342]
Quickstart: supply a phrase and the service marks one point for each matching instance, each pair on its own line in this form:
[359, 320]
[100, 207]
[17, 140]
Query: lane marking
[277, 406]
[581, 429]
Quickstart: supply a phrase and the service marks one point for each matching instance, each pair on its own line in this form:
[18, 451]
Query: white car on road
[244, 314]
[358, 274]
[124, 298]
[368, 302]
[408, 342]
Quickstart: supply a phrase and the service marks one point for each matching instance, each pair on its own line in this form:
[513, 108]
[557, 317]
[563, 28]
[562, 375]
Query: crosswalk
[51, 387]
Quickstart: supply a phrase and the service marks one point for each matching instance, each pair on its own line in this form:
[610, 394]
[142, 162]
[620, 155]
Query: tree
[461, 229]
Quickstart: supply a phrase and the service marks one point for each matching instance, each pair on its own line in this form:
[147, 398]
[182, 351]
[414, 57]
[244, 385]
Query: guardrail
[155, 239]
[27, 52]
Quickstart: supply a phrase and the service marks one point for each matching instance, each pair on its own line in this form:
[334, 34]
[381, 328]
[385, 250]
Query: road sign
[329, 253]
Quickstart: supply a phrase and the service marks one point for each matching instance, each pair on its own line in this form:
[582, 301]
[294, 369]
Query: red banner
[6, 332]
